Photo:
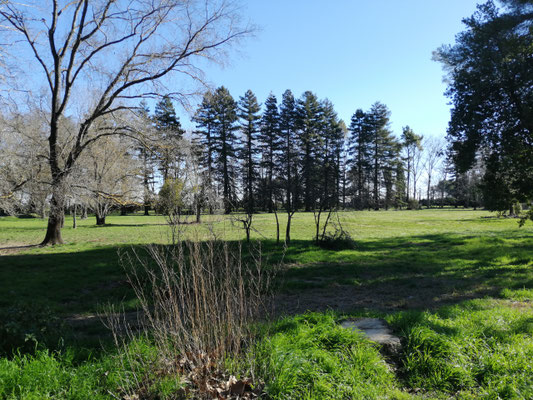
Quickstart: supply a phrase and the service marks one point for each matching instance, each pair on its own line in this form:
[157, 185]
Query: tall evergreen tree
[225, 143]
[412, 144]
[340, 163]
[248, 112]
[146, 153]
[400, 184]
[270, 145]
[205, 120]
[391, 158]
[288, 156]
[169, 127]
[359, 150]
[381, 142]
[329, 146]
[310, 119]
[490, 75]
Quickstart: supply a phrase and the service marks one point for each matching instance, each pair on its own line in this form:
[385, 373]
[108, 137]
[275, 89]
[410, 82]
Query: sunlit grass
[455, 285]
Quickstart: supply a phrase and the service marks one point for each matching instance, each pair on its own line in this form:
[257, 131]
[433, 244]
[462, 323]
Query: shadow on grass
[15, 249]
[415, 272]
[123, 225]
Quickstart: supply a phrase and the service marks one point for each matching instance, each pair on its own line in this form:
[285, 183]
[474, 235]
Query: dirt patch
[390, 295]
[15, 248]
[100, 324]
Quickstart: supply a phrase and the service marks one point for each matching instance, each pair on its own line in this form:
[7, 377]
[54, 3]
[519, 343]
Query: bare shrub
[336, 237]
[199, 300]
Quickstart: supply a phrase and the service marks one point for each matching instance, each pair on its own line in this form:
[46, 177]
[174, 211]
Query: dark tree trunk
[288, 229]
[277, 224]
[100, 220]
[56, 217]
[74, 211]
[123, 211]
[146, 209]
[307, 177]
[198, 212]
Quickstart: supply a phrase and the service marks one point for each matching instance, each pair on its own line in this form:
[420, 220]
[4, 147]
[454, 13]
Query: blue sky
[354, 52]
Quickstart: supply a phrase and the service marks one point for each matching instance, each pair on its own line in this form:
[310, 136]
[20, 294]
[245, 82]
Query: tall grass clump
[481, 348]
[47, 375]
[199, 301]
[313, 357]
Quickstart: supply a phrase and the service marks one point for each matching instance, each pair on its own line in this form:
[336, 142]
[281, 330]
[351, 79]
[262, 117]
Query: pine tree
[270, 144]
[359, 150]
[288, 156]
[248, 112]
[169, 127]
[205, 120]
[310, 119]
[391, 157]
[329, 145]
[380, 146]
[339, 152]
[146, 153]
[225, 143]
[399, 183]
[411, 143]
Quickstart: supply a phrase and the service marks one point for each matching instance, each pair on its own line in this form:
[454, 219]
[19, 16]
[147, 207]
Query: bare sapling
[199, 301]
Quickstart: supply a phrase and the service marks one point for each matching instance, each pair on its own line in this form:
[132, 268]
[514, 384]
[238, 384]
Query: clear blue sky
[354, 52]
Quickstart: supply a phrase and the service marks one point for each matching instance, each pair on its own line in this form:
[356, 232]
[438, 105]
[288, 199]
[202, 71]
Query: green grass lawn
[456, 286]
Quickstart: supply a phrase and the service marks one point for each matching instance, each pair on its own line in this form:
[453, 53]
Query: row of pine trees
[295, 155]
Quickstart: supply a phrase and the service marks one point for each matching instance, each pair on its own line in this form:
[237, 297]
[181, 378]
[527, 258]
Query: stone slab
[376, 330]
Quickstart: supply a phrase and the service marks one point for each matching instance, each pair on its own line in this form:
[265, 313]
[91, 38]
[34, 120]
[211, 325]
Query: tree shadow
[123, 225]
[16, 249]
[388, 274]
[415, 272]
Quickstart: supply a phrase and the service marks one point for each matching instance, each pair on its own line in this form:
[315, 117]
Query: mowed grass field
[455, 285]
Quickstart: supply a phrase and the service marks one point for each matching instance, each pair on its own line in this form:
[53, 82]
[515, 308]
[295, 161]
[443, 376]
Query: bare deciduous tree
[23, 173]
[111, 176]
[115, 50]
[434, 149]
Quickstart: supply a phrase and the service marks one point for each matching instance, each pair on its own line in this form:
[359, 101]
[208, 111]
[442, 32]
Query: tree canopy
[490, 75]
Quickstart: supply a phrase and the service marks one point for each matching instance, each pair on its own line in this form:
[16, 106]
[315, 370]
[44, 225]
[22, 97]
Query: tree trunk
[56, 217]
[100, 220]
[277, 224]
[74, 210]
[42, 213]
[288, 229]
[146, 209]
[198, 213]
[429, 191]
[317, 224]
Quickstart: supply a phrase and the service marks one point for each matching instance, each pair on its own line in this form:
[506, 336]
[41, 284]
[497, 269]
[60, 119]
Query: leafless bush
[199, 300]
[335, 237]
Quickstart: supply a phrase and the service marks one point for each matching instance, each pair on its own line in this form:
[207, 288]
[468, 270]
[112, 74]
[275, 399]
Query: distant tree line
[295, 155]
[298, 155]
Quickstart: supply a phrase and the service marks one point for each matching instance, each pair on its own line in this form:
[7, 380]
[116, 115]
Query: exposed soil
[15, 248]
[427, 293]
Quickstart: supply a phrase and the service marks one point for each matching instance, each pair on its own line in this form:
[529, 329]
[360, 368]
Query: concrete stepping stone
[376, 330]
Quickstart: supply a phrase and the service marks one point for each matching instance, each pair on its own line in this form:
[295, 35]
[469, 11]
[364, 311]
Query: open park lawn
[456, 286]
